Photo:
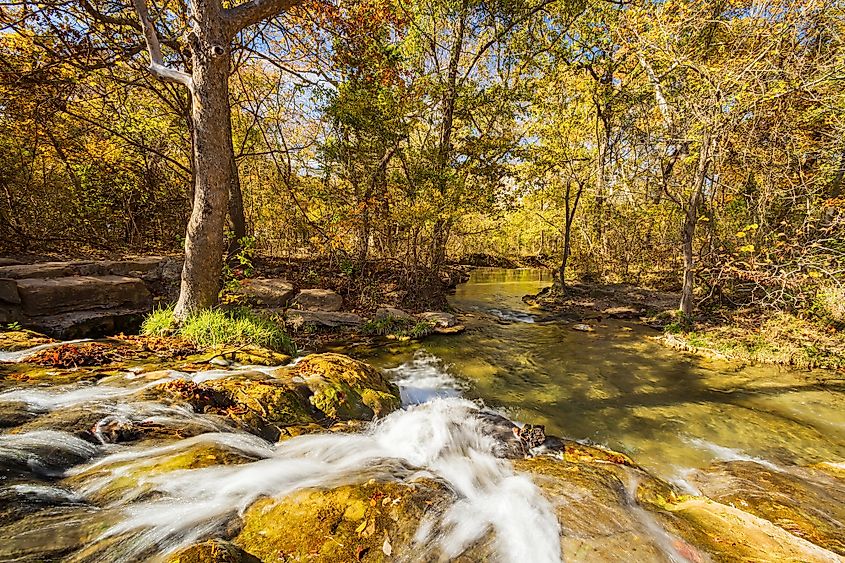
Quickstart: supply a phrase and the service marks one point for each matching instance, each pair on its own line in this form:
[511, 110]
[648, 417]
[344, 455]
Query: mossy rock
[346, 389]
[128, 480]
[577, 452]
[29, 373]
[277, 402]
[253, 401]
[246, 355]
[213, 551]
[16, 340]
[372, 522]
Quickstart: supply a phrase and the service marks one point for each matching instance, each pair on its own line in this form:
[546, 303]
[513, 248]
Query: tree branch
[254, 11]
[157, 66]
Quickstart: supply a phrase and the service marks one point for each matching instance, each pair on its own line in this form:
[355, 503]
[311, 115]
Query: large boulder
[254, 402]
[50, 296]
[318, 300]
[370, 522]
[268, 292]
[319, 390]
[346, 389]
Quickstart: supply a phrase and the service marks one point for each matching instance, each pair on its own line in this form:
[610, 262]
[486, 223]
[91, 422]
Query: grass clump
[774, 338]
[217, 327]
[397, 328]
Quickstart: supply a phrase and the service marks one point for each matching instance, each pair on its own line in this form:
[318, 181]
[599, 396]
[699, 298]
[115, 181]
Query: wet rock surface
[369, 522]
[802, 501]
[92, 429]
[213, 551]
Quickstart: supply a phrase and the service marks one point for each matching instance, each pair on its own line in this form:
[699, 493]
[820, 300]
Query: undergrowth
[395, 327]
[780, 338]
[217, 327]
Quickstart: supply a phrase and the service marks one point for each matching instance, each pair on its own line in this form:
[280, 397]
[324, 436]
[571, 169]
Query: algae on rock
[366, 522]
[346, 389]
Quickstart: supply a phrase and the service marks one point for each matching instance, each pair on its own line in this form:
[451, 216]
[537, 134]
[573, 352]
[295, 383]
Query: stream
[95, 498]
[616, 386]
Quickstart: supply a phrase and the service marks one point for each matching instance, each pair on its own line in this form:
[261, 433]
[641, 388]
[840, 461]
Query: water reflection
[618, 387]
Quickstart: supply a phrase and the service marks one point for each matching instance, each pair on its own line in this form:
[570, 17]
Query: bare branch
[157, 66]
[254, 11]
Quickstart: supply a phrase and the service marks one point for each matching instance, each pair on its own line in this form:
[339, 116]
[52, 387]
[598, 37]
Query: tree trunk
[690, 221]
[687, 303]
[237, 220]
[204, 244]
[564, 260]
[442, 225]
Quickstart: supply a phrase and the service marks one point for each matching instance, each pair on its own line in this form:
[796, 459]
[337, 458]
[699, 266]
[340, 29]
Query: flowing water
[618, 387]
[65, 498]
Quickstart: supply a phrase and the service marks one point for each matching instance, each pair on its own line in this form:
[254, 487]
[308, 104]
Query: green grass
[391, 326]
[216, 327]
[778, 338]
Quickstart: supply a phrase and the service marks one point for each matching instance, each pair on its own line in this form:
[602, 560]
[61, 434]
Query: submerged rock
[599, 521]
[346, 389]
[369, 522]
[128, 479]
[805, 503]
[731, 534]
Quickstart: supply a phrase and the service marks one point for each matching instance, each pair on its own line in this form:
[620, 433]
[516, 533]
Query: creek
[66, 498]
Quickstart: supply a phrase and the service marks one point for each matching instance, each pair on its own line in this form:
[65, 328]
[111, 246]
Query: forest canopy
[679, 143]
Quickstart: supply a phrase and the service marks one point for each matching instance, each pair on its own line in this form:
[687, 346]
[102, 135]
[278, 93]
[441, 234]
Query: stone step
[129, 266]
[88, 324]
[53, 296]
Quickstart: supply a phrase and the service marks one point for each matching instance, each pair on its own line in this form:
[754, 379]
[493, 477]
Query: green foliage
[779, 338]
[681, 323]
[239, 267]
[217, 327]
[397, 328]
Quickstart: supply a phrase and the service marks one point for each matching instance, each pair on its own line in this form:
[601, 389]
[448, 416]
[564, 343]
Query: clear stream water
[614, 386]
[618, 387]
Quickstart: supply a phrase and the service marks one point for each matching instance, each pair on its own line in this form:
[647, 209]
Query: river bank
[748, 335]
